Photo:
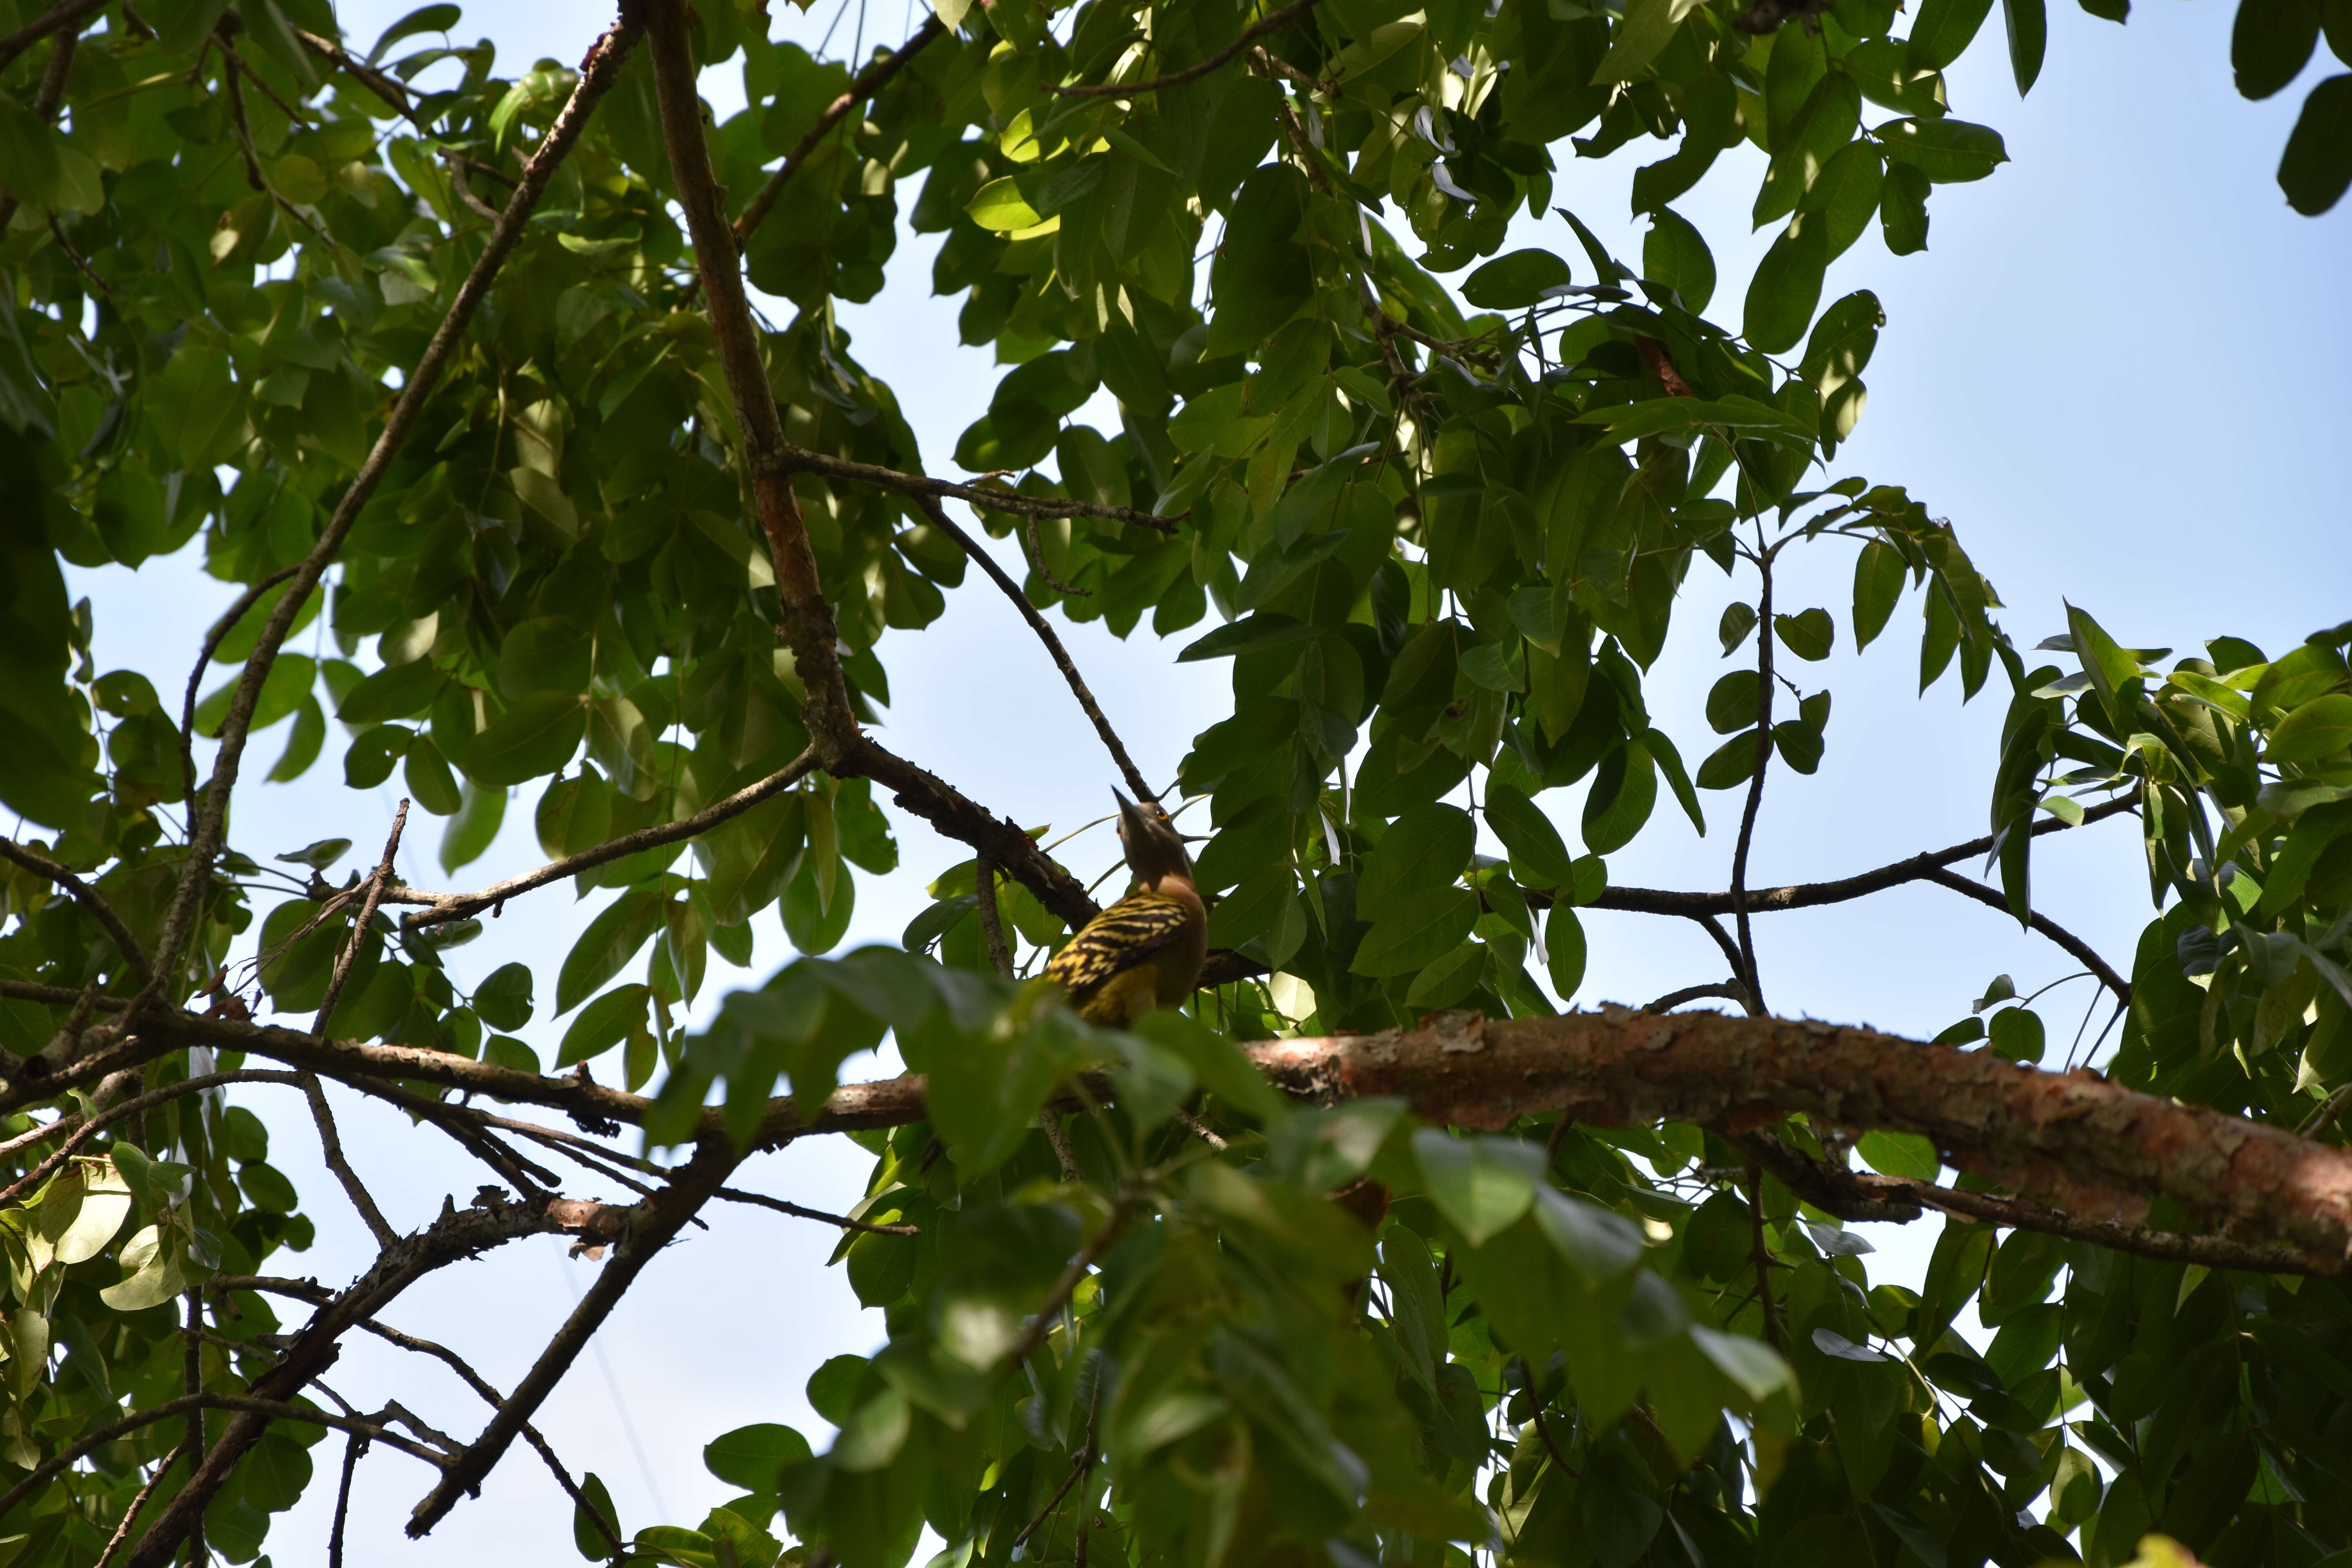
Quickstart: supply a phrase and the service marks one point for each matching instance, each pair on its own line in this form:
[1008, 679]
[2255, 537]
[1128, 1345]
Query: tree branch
[65, 14]
[209, 823]
[868, 82]
[138, 1501]
[212, 638]
[760, 1200]
[991, 919]
[800, 459]
[651, 1227]
[46, 99]
[2082, 952]
[331, 1143]
[1762, 1256]
[1258, 29]
[459, 1233]
[441, 907]
[1748, 969]
[350, 952]
[1061, 655]
[89, 897]
[1730, 990]
[395, 95]
[78, 1130]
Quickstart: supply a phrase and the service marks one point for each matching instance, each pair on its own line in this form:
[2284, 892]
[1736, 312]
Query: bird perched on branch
[1145, 950]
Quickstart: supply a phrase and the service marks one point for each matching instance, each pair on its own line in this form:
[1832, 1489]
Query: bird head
[1154, 848]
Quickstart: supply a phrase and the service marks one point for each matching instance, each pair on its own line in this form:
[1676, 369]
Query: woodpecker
[1145, 950]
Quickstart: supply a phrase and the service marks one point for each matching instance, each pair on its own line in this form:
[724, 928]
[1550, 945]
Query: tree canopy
[1371, 1254]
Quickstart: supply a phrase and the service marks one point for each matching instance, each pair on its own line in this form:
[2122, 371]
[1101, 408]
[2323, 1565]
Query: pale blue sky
[2121, 369]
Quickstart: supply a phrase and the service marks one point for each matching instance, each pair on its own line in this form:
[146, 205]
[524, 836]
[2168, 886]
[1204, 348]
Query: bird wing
[1118, 939]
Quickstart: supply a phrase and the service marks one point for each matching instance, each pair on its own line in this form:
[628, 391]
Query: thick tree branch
[1061, 655]
[931, 797]
[868, 82]
[209, 822]
[65, 14]
[1274, 22]
[50, 94]
[651, 1227]
[441, 907]
[807, 622]
[89, 897]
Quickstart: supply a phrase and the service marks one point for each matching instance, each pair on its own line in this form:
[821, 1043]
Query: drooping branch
[209, 821]
[89, 897]
[1060, 655]
[651, 1227]
[2082, 952]
[799, 459]
[867, 82]
[1271, 23]
[442, 907]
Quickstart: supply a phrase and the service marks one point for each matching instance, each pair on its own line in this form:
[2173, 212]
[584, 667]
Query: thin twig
[1528, 1380]
[290, 110]
[2321, 1119]
[89, 897]
[1043, 1324]
[78, 1130]
[991, 919]
[1199, 1129]
[1037, 559]
[2082, 952]
[349, 955]
[331, 1143]
[382, 83]
[1060, 655]
[193, 1371]
[1050, 1121]
[801, 460]
[1747, 967]
[130, 1514]
[442, 907]
[867, 82]
[781, 1206]
[46, 99]
[1762, 1254]
[1730, 990]
[1258, 29]
[353, 1447]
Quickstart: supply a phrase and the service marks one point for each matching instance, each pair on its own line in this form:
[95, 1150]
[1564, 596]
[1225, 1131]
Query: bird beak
[1132, 817]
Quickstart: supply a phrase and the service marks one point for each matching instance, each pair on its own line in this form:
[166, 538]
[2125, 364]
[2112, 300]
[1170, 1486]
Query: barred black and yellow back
[1145, 950]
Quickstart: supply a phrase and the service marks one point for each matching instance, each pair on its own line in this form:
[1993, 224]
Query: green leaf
[1942, 29]
[2027, 23]
[1675, 257]
[535, 736]
[752, 1457]
[1786, 285]
[503, 1000]
[612, 939]
[395, 691]
[1809, 634]
[2319, 729]
[814, 924]
[1564, 949]
[1878, 576]
[318, 856]
[1620, 798]
[1599, 1244]
[2015, 1034]
[1515, 281]
[604, 1024]
[1899, 1154]
[1903, 209]
[2271, 42]
[1481, 1184]
[2317, 164]
[1002, 207]
[1732, 702]
[470, 832]
[1428, 847]
[591, 1540]
[1731, 764]
[1649, 25]
[1416, 930]
[1539, 858]
[1250, 634]
[1945, 151]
